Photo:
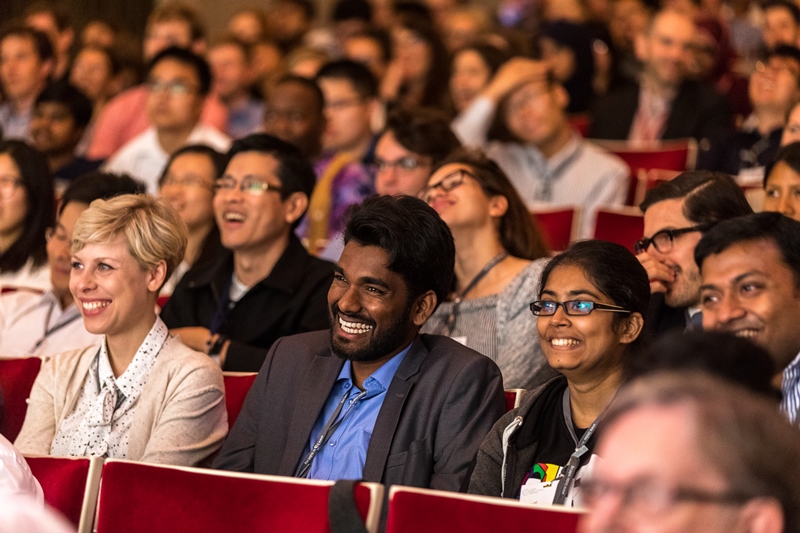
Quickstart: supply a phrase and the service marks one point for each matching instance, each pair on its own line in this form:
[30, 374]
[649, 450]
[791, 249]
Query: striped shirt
[790, 404]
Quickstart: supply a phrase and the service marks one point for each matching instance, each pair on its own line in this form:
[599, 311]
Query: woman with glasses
[142, 395]
[499, 258]
[26, 211]
[187, 183]
[588, 313]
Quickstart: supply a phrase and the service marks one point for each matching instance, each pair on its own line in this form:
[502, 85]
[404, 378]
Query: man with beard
[676, 214]
[373, 399]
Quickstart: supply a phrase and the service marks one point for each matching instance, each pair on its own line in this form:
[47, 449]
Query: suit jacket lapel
[389, 416]
[315, 388]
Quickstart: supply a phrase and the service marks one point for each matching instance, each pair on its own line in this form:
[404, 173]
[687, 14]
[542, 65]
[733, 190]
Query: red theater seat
[70, 486]
[237, 384]
[413, 510]
[144, 498]
[16, 380]
[558, 225]
[513, 397]
[622, 225]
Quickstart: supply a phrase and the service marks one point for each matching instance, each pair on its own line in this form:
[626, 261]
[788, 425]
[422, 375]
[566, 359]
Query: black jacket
[292, 299]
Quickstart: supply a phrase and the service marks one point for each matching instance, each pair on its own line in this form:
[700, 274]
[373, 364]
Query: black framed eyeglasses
[664, 240]
[249, 185]
[572, 307]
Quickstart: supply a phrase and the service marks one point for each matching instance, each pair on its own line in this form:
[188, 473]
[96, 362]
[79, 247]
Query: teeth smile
[92, 306]
[235, 217]
[746, 333]
[354, 328]
[564, 342]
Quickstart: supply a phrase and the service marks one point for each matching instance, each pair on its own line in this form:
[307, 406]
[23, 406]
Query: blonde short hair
[153, 231]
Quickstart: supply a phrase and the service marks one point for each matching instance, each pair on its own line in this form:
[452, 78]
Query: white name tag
[460, 340]
[536, 492]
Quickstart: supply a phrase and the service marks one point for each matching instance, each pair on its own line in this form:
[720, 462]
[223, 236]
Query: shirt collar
[135, 375]
[380, 380]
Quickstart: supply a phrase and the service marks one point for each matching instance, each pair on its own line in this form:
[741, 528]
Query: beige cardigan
[179, 419]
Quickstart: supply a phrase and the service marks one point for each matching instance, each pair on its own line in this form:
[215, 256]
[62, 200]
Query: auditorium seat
[513, 397]
[413, 510]
[70, 486]
[580, 123]
[145, 498]
[237, 385]
[620, 224]
[16, 380]
[647, 179]
[558, 224]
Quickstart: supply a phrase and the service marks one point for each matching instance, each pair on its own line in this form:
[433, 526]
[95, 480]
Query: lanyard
[55, 328]
[571, 469]
[549, 177]
[451, 319]
[327, 431]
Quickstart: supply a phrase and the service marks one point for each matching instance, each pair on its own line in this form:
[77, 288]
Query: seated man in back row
[371, 398]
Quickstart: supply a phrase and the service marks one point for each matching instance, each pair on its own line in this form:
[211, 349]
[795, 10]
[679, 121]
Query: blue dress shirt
[345, 453]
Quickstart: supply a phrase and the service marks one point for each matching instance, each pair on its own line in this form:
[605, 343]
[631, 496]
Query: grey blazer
[442, 401]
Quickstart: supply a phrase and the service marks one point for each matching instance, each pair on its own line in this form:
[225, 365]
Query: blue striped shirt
[790, 404]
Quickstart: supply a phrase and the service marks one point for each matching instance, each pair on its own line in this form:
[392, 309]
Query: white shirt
[580, 174]
[100, 423]
[28, 277]
[35, 324]
[144, 158]
[790, 387]
[16, 478]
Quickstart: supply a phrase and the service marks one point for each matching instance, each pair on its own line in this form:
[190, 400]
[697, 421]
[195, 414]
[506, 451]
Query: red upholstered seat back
[63, 482]
[428, 511]
[621, 226]
[16, 380]
[556, 226]
[513, 397]
[237, 385]
[142, 498]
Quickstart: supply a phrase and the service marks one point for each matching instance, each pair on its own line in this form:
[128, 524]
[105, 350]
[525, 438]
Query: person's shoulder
[63, 363]
[210, 135]
[179, 359]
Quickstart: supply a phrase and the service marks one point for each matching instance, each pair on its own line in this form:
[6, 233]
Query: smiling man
[372, 399]
[751, 288]
[267, 286]
[676, 214]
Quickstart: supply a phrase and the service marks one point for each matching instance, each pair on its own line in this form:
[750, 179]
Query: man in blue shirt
[373, 399]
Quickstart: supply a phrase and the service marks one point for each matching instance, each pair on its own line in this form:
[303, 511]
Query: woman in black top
[589, 308]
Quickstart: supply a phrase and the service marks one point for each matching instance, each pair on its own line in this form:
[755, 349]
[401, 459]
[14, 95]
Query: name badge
[535, 492]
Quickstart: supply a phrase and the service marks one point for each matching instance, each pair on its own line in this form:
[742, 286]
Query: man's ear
[294, 207]
[423, 308]
[762, 515]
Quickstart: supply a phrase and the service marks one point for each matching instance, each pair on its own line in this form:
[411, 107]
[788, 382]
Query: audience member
[742, 457]
[371, 48]
[404, 389]
[99, 32]
[268, 286]
[567, 49]
[676, 214]
[288, 21]
[306, 62]
[249, 25]
[348, 18]
[465, 25]
[95, 72]
[53, 20]
[472, 69]
[781, 23]
[499, 259]
[177, 84]
[343, 176]
[26, 211]
[294, 112]
[229, 60]
[538, 452]
[49, 323]
[26, 64]
[16, 478]
[791, 131]
[266, 62]
[664, 104]
[60, 118]
[774, 87]
[720, 354]
[126, 116]
[535, 145]
[187, 184]
[417, 75]
[782, 182]
[751, 288]
[143, 395]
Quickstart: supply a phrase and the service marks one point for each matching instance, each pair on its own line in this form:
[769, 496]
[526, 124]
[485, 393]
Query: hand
[512, 74]
[658, 272]
[195, 338]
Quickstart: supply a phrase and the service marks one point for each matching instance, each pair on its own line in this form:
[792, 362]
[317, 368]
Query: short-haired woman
[142, 395]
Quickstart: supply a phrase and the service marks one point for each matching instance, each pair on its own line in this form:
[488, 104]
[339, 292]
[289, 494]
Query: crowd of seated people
[343, 204]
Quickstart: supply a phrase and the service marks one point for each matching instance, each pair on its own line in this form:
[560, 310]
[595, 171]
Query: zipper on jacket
[510, 430]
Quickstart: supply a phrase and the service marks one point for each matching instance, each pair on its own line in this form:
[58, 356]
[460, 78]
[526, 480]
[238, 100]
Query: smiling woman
[143, 395]
[589, 318]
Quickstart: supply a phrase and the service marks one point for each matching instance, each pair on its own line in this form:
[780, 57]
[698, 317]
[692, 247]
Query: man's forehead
[756, 256]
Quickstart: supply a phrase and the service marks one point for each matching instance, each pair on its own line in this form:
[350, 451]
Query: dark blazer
[663, 319]
[292, 299]
[698, 111]
[443, 400]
